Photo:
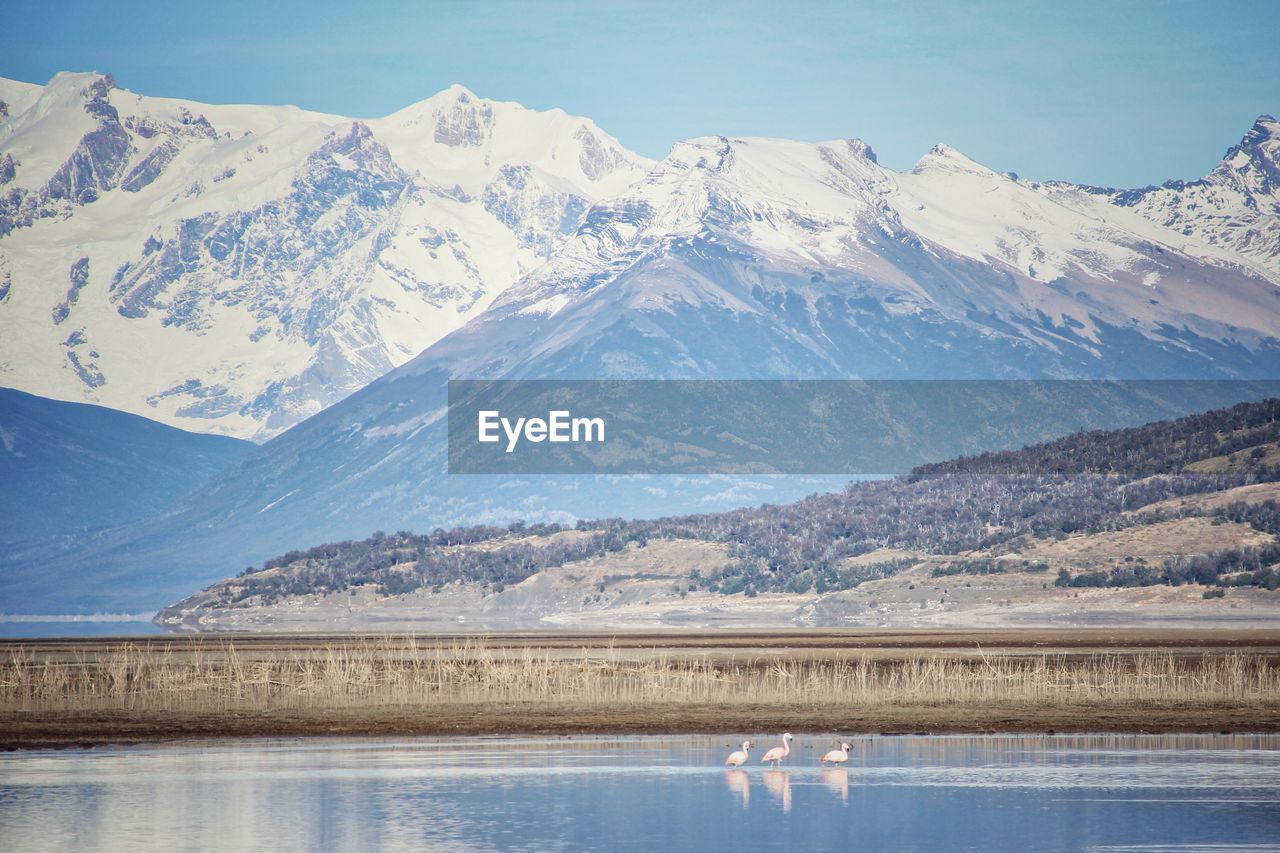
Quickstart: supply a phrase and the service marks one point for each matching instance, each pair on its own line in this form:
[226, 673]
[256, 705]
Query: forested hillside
[979, 512]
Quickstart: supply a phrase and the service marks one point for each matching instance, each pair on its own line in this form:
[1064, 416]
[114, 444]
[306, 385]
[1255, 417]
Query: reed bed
[378, 674]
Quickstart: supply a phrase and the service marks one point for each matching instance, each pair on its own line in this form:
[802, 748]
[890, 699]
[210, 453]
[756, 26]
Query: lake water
[76, 628]
[650, 793]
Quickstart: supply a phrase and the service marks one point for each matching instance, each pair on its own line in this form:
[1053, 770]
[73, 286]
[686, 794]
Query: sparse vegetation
[1255, 566]
[373, 674]
[1085, 483]
[404, 562]
[969, 567]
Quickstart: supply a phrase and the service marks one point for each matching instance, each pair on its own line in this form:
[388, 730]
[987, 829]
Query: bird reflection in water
[739, 782]
[836, 779]
[778, 783]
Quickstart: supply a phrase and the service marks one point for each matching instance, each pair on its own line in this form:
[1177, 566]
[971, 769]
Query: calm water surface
[85, 628]
[650, 793]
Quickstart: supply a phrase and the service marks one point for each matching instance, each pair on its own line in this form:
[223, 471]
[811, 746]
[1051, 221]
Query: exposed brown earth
[1238, 460]
[1255, 493]
[1152, 542]
[63, 730]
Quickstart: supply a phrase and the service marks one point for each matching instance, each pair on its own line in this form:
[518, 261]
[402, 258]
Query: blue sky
[1119, 93]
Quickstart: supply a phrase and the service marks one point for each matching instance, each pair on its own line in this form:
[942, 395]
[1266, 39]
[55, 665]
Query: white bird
[836, 756]
[775, 755]
[739, 758]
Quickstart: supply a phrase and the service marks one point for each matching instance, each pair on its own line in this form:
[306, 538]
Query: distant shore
[90, 692]
[77, 617]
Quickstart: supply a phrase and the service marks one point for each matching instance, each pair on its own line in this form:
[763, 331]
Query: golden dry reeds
[380, 674]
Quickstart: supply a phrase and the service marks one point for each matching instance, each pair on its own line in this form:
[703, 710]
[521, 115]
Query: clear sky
[1119, 92]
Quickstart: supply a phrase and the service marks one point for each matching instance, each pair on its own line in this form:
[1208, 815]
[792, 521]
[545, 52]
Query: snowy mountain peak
[472, 137]
[943, 157]
[701, 152]
[861, 149]
[1231, 213]
[1047, 258]
[78, 84]
[81, 87]
[462, 120]
[237, 268]
[1265, 127]
[1254, 164]
[455, 92]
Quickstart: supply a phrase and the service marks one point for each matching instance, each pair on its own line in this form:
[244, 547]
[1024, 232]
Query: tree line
[1085, 482]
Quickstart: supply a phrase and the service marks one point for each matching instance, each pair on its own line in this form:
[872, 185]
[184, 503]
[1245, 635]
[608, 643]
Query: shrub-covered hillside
[976, 507]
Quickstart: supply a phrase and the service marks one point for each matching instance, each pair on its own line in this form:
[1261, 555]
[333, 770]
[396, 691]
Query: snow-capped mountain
[235, 269]
[751, 258]
[1235, 207]
[824, 263]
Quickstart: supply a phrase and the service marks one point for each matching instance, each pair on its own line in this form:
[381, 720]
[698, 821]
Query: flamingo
[836, 756]
[739, 758]
[775, 755]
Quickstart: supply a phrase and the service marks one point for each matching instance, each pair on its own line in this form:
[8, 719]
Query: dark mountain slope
[69, 467]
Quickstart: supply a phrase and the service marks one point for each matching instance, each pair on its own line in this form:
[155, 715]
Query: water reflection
[935, 793]
[778, 783]
[739, 783]
[837, 779]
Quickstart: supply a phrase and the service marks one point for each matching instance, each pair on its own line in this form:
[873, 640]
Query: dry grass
[380, 674]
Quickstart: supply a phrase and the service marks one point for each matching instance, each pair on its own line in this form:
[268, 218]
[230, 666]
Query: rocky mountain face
[742, 258]
[236, 269]
[1236, 206]
[774, 258]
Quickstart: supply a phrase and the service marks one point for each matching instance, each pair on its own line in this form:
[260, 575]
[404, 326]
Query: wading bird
[775, 755]
[836, 756]
[739, 758]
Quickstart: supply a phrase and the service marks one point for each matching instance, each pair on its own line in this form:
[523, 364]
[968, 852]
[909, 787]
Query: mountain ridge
[741, 258]
[289, 256]
[66, 468]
